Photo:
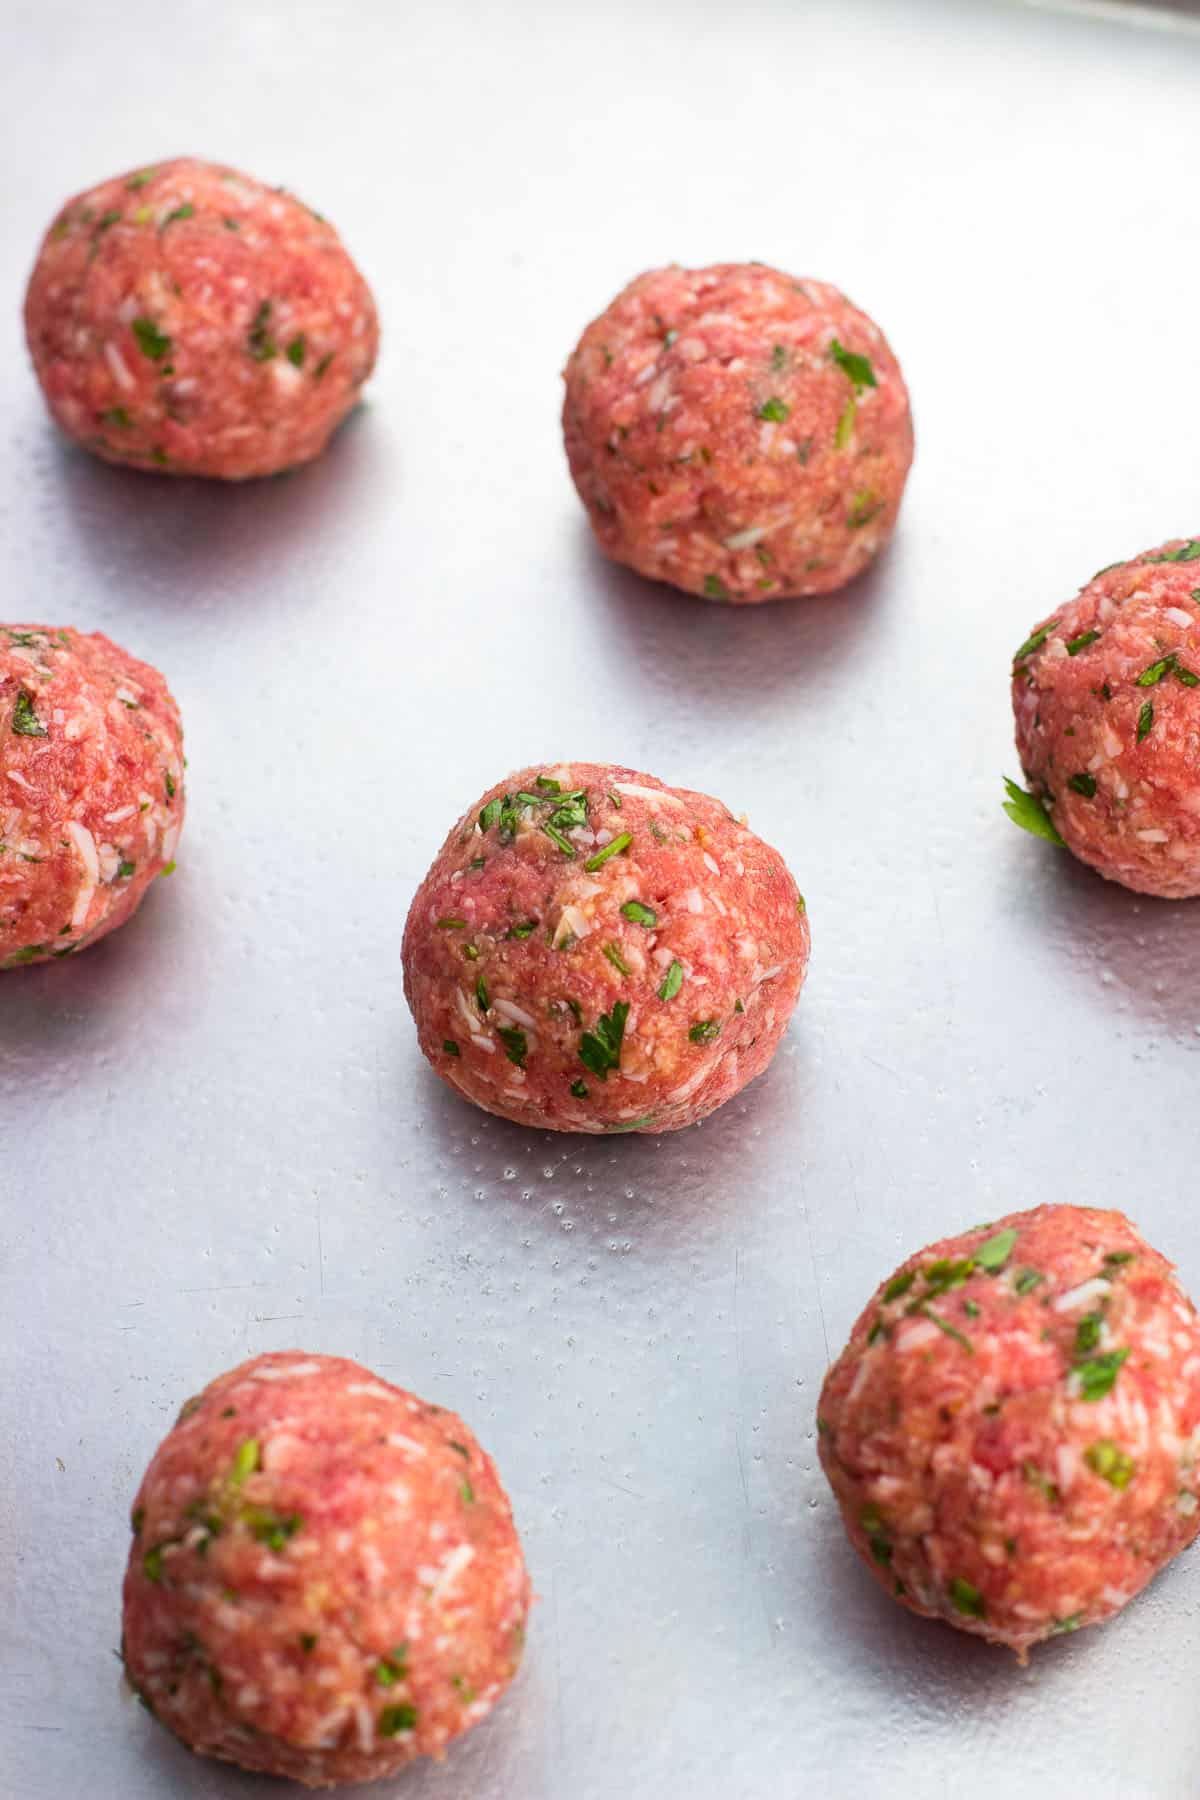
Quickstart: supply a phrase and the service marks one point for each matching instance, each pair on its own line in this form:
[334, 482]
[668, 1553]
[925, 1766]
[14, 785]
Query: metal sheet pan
[218, 1137]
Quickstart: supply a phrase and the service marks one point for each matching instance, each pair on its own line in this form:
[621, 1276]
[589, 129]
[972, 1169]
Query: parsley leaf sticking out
[1097, 1375]
[1189, 552]
[516, 1045]
[613, 953]
[1081, 642]
[580, 1089]
[1115, 1258]
[395, 1719]
[141, 180]
[491, 814]
[1087, 1333]
[672, 982]
[295, 351]
[1145, 720]
[181, 212]
[150, 340]
[965, 1598]
[715, 588]
[450, 1047]
[774, 410]
[704, 1031]
[950, 1330]
[1084, 784]
[857, 367]
[259, 342]
[1034, 641]
[1027, 1280]
[600, 1050]
[25, 721]
[246, 1460]
[1071, 1623]
[899, 1284]
[1110, 1462]
[993, 1255]
[1027, 811]
[617, 847]
[1153, 675]
[638, 914]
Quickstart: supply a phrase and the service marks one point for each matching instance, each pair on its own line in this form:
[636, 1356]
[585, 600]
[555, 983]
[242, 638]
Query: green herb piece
[1153, 675]
[600, 1050]
[739, 1006]
[1045, 1487]
[878, 1330]
[232, 224]
[1145, 721]
[1087, 1333]
[778, 358]
[1081, 642]
[672, 982]
[1084, 784]
[630, 1125]
[1115, 1258]
[775, 410]
[972, 1311]
[950, 1330]
[466, 1494]
[967, 1599]
[30, 953]
[579, 1089]
[142, 179]
[614, 799]
[1027, 1280]
[25, 721]
[993, 1255]
[1097, 1375]
[704, 1031]
[863, 508]
[617, 847]
[516, 1045]
[491, 814]
[137, 1520]
[471, 952]
[613, 953]
[450, 1047]
[1071, 1623]
[324, 363]
[462, 1687]
[947, 1273]
[1027, 811]
[271, 1528]
[1189, 552]
[452, 924]
[1110, 1462]
[899, 1284]
[525, 929]
[152, 1563]
[395, 1719]
[857, 367]
[638, 914]
[106, 222]
[150, 340]
[308, 1639]
[391, 1669]
[481, 995]
[181, 212]
[715, 588]
[296, 350]
[247, 1459]
[169, 784]
[845, 424]
[258, 339]
[1034, 641]
[881, 1548]
[1188, 677]
[460, 1449]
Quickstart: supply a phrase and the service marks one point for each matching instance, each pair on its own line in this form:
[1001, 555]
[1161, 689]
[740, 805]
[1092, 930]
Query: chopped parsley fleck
[970, 1308]
[1115, 1258]
[1027, 1280]
[704, 1031]
[1145, 720]
[631, 1124]
[1071, 1623]
[391, 1669]
[141, 180]
[25, 721]
[246, 1460]
[877, 1331]
[1110, 1462]
[613, 953]
[181, 212]
[450, 1047]
[308, 1639]
[1153, 675]
[296, 350]
[466, 1494]
[617, 847]
[150, 340]
[899, 1284]
[1099, 1373]
[774, 410]
[152, 1563]
[259, 341]
[451, 924]
[1034, 641]
[321, 367]
[967, 1599]
[169, 784]
[125, 870]
[137, 1520]
[1087, 1333]
[232, 224]
[395, 1719]
[715, 588]
[600, 1050]
[471, 952]
[482, 998]
[946, 1273]
[525, 929]
[1081, 642]
[1045, 1487]
[845, 424]
[614, 799]
[639, 914]
[1027, 811]
[1189, 552]
[672, 982]
[491, 814]
[857, 367]
[778, 358]
[950, 1330]
[739, 1006]
[580, 1089]
[1188, 677]
[516, 1045]
[993, 1255]
[460, 1449]
[271, 1528]
[1084, 784]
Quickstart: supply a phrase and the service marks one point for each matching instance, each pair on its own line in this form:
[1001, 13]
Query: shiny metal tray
[216, 1134]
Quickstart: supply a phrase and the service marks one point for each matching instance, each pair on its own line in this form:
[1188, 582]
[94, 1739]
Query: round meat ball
[1012, 1430]
[91, 788]
[738, 433]
[325, 1579]
[595, 951]
[1106, 695]
[186, 319]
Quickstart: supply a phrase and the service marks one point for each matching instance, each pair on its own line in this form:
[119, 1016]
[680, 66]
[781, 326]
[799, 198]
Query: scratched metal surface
[218, 1137]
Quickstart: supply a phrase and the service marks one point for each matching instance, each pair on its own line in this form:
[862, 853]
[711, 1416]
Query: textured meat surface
[1012, 1430]
[91, 788]
[595, 951]
[325, 1579]
[738, 433]
[1106, 695]
[187, 319]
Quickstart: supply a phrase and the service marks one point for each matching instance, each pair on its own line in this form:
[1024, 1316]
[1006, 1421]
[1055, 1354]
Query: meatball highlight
[186, 319]
[325, 1579]
[91, 789]
[595, 951]
[1108, 720]
[1012, 1431]
[737, 433]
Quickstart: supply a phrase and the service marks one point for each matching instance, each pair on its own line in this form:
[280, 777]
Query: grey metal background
[218, 1137]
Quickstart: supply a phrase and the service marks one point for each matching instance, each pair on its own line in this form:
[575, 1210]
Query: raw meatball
[1108, 720]
[595, 951]
[1012, 1430]
[738, 433]
[325, 1580]
[91, 788]
[187, 319]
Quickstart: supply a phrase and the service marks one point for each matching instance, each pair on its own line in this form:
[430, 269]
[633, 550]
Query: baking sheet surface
[216, 1134]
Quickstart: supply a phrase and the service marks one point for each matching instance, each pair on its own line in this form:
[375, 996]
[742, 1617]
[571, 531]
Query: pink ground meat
[595, 951]
[740, 434]
[1012, 1431]
[325, 1580]
[91, 789]
[187, 319]
[1106, 695]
